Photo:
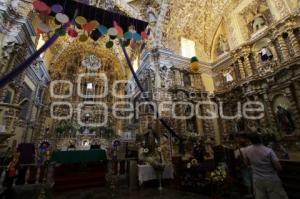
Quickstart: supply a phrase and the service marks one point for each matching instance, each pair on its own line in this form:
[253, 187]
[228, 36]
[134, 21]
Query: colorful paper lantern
[128, 35]
[80, 21]
[57, 8]
[136, 36]
[109, 44]
[90, 26]
[83, 37]
[40, 6]
[95, 35]
[97, 24]
[112, 33]
[72, 32]
[60, 31]
[103, 29]
[43, 28]
[144, 35]
[126, 42]
[61, 18]
[195, 65]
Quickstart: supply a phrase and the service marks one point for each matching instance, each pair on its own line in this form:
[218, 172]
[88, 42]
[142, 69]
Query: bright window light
[136, 64]
[89, 86]
[188, 48]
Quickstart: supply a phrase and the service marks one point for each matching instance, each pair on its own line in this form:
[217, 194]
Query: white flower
[146, 150]
[159, 149]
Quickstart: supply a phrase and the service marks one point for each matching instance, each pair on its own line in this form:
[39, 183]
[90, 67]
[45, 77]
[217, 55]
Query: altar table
[146, 173]
[71, 157]
[76, 170]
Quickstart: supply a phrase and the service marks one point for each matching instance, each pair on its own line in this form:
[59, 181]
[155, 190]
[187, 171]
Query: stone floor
[147, 193]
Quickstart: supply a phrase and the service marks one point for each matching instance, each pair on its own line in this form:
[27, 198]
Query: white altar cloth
[146, 173]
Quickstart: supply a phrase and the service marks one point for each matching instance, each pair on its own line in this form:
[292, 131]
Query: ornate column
[248, 68]
[155, 59]
[297, 93]
[241, 68]
[294, 42]
[256, 59]
[283, 48]
[178, 78]
[269, 110]
[294, 107]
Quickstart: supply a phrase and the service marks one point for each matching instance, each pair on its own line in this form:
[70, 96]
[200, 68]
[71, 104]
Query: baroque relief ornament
[92, 62]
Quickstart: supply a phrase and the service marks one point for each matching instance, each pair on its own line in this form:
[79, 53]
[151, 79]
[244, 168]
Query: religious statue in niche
[164, 75]
[91, 62]
[265, 54]
[258, 23]
[152, 19]
[151, 140]
[223, 45]
[285, 120]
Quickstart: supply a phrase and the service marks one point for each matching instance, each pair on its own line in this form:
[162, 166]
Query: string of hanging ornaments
[83, 29]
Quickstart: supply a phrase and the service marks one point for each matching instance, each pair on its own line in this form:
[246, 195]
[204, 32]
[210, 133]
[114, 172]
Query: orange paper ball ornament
[195, 65]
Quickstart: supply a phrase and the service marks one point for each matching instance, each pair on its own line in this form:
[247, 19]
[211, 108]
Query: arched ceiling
[197, 20]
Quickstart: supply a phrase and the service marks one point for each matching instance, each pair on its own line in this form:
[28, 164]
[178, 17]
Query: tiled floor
[147, 193]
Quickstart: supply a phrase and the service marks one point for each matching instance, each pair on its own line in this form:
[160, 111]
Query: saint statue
[152, 19]
[285, 121]
[258, 23]
[151, 140]
[223, 44]
[266, 54]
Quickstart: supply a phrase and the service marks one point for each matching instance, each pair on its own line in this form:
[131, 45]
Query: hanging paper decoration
[89, 27]
[126, 42]
[83, 37]
[60, 31]
[80, 21]
[95, 22]
[136, 36]
[95, 35]
[109, 44]
[61, 18]
[128, 35]
[103, 29]
[72, 32]
[144, 35]
[195, 65]
[119, 29]
[40, 6]
[57, 8]
[43, 28]
[112, 32]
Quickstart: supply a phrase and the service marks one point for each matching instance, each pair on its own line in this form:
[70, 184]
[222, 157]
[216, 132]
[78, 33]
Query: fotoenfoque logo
[123, 107]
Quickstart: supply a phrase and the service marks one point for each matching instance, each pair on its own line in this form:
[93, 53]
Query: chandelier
[91, 62]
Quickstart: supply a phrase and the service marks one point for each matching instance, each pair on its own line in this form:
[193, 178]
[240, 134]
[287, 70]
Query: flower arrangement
[218, 175]
[192, 164]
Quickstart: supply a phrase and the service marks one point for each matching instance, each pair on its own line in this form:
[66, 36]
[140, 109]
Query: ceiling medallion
[91, 62]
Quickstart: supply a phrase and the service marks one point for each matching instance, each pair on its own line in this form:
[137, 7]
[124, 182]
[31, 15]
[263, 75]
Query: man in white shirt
[264, 164]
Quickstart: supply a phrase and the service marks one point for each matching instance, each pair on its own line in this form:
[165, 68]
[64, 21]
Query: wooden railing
[29, 174]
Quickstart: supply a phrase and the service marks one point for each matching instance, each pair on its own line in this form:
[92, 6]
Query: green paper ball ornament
[109, 44]
[194, 59]
[60, 31]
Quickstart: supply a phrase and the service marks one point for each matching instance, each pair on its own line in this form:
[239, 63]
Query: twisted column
[241, 69]
[248, 68]
[294, 42]
[283, 48]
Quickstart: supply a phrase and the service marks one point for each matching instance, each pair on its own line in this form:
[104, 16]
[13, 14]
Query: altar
[82, 156]
[147, 173]
[78, 169]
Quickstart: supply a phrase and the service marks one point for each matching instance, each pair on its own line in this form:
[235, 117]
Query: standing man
[264, 164]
